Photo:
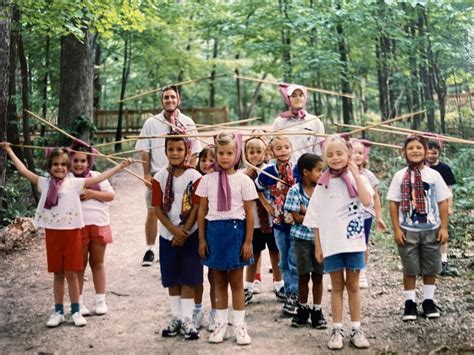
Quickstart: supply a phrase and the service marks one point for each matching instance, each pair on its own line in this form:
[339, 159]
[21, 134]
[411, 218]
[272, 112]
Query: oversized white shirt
[339, 217]
[67, 214]
[96, 212]
[156, 125]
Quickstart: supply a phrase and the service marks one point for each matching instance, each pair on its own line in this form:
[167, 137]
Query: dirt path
[138, 305]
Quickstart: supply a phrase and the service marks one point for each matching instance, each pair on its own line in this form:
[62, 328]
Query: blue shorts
[181, 265]
[224, 241]
[367, 226]
[351, 261]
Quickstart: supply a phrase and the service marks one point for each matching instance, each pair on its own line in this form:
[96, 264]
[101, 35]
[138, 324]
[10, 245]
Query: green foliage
[17, 199]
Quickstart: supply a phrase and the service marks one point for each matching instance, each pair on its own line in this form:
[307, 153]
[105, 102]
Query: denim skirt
[224, 241]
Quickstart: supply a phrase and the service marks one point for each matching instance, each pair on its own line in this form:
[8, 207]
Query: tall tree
[127, 62]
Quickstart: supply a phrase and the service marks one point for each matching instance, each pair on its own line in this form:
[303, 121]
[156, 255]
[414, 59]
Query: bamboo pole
[250, 134]
[328, 92]
[75, 139]
[175, 84]
[228, 123]
[384, 122]
[110, 143]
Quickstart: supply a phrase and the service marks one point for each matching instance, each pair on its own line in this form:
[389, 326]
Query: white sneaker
[79, 320]
[198, 318]
[358, 339]
[219, 334]
[101, 308]
[257, 286]
[329, 286]
[212, 322]
[336, 339]
[84, 310]
[241, 335]
[55, 319]
[363, 282]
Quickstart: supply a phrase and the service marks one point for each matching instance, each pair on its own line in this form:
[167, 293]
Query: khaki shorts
[421, 254]
[148, 194]
[305, 261]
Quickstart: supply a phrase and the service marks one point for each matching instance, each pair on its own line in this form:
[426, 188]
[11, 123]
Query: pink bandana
[343, 174]
[286, 90]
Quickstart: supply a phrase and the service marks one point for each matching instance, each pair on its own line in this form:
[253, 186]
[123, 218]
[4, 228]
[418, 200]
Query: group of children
[222, 215]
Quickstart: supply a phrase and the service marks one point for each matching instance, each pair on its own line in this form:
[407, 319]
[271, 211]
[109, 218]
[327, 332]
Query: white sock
[304, 305]
[410, 295]
[100, 297]
[316, 307]
[248, 285]
[355, 325]
[428, 292]
[198, 306]
[175, 304]
[444, 257]
[337, 325]
[149, 247]
[187, 305]
[278, 284]
[221, 316]
[239, 317]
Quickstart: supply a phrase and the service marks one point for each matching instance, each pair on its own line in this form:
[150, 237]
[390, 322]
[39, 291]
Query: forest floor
[138, 304]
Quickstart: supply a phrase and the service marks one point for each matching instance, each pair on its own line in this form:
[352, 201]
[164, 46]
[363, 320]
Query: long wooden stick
[250, 134]
[228, 123]
[328, 92]
[384, 122]
[429, 135]
[110, 143]
[176, 84]
[75, 139]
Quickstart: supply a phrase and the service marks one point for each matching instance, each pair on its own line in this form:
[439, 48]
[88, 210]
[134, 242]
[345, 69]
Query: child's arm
[249, 224]
[378, 211]
[179, 234]
[267, 205]
[318, 252]
[450, 200]
[103, 196]
[191, 218]
[394, 216]
[364, 194]
[106, 174]
[22, 169]
[202, 212]
[444, 217]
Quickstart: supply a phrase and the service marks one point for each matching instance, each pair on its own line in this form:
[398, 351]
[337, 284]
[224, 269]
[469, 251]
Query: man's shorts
[350, 261]
[421, 254]
[148, 194]
[305, 261]
[260, 240]
[96, 234]
[64, 250]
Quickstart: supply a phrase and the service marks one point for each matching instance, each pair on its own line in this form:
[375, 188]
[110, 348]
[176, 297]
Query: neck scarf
[262, 213]
[224, 192]
[418, 191]
[53, 192]
[168, 197]
[343, 174]
[87, 173]
[280, 190]
[286, 90]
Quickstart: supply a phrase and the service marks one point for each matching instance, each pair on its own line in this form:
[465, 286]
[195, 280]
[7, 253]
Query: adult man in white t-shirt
[153, 153]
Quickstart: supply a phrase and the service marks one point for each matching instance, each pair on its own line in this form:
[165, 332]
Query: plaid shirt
[295, 198]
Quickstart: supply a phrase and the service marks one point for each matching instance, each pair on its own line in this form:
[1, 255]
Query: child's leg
[187, 301]
[58, 287]
[303, 288]
[275, 259]
[198, 292]
[258, 269]
[409, 282]
[85, 256]
[251, 270]
[353, 292]
[338, 284]
[221, 283]
[236, 281]
[72, 278]
[175, 301]
[317, 288]
[96, 261]
[212, 288]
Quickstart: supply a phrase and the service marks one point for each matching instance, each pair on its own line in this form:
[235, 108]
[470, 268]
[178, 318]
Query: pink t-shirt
[242, 189]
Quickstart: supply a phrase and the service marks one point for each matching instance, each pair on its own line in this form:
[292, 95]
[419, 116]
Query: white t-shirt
[184, 184]
[67, 214]
[370, 211]
[436, 191]
[311, 143]
[340, 218]
[156, 125]
[96, 212]
[242, 189]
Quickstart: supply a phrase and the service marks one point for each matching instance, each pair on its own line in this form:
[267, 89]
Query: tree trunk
[127, 60]
[76, 81]
[347, 113]
[26, 107]
[240, 106]
[286, 42]
[44, 88]
[253, 101]
[4, 90]
[414, 94]
[97, 69]
[212, 91]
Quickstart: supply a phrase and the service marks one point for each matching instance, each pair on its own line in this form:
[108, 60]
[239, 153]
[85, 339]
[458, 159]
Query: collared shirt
[294, 200]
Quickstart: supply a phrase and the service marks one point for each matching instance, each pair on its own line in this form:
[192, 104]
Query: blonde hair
[335, 139]
[278, 138]
[353, 142]
[225, 138]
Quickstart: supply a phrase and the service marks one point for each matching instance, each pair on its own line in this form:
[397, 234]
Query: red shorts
[64, 250]
[96, 234]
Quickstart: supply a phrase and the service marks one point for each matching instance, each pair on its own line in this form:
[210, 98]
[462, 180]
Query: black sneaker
[291, 305]
[280, 294]
[430, 309]
[410, 311]
[148, 258]
[172, 329]
[248, 295]
[317, 319]
[301, 317]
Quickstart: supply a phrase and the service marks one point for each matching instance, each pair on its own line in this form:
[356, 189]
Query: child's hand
[125, 163]
[149, 178]
[87, 194]
[318, 254]
[381, 227]
[246, 251]
[400, 238]
[302, 209]
[179, 236]
[203, 249]
[6, 147]
[353, 168]
[443, 236]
